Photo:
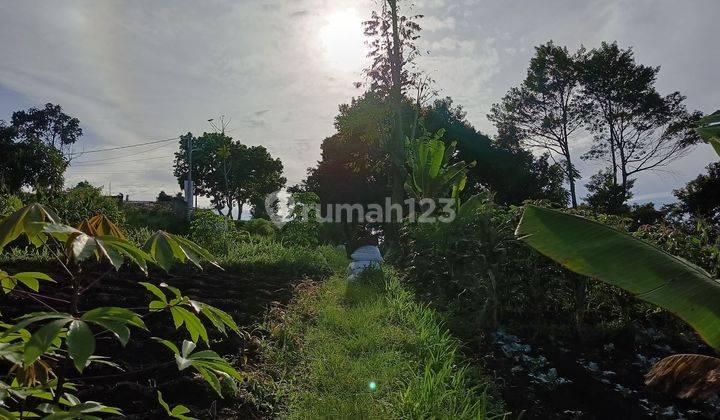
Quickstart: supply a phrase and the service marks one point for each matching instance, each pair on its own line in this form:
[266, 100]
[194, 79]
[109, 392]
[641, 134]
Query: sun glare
[342, 40]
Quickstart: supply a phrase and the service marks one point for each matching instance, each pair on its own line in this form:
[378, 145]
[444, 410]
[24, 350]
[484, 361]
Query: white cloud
[137, 71]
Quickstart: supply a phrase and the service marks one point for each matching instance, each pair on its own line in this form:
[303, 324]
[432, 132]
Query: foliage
[83, 202]
[34, 342]
[212, 231]
[607, 196]
[35, 148]
[430, 175]
[636, 128]
[227, 171]
[709, 130]
[9, 203]
[502, 166]
[303, 228]
[595, 250]
[547, 108]
[366, 349]
[701, 196]
[260, 227]
[159, 216]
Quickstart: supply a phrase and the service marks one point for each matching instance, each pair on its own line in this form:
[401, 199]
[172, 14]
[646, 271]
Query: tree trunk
[571, 180]
[397, 148]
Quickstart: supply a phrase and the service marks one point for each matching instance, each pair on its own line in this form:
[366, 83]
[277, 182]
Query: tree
[392, 38]
[513, 174]
[606, 196]
[50, 125]
[546, 110]
[701, 196]
[227, 171]
[34, 149]
[635, 128]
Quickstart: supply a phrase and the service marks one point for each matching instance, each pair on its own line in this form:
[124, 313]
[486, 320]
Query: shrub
[260, 227]
[83, 202]
[213, 231]
[9, 203]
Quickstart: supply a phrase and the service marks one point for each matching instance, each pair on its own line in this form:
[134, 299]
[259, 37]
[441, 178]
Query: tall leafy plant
[430, 173]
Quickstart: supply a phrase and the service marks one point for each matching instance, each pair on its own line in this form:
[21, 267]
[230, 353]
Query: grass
[260, 255]
[367, 350]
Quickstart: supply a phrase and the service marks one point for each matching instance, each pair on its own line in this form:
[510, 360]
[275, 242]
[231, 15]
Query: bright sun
[342, 40]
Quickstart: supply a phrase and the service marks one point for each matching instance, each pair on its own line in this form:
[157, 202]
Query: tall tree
[392, 38]
[636, 129]
[546, 109]
[50, 125]
[34, 148]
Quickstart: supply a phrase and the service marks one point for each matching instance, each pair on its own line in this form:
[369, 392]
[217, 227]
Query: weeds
[367, 350]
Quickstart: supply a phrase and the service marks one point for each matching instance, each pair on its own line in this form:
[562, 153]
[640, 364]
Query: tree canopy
[227, 171]
[35, 148]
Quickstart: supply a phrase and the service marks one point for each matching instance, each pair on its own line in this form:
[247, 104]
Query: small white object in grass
[372, 385]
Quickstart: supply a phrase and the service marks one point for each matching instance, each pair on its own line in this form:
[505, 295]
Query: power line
[122, 156]
[92, 163]
[126, 147]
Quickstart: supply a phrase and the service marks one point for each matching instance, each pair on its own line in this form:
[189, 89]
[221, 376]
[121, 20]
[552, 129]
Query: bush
[212, 231]
[9, 203]
[83, 202]
[260, 227]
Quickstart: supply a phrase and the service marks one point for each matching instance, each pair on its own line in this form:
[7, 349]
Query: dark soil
[147, 365]
[589, 378]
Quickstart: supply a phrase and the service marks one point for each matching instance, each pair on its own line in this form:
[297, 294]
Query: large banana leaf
[598, 251]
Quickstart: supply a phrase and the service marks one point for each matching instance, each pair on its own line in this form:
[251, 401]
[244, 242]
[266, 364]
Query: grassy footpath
[367, 350]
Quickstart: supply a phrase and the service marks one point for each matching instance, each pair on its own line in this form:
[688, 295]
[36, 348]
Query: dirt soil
[545, 378]
[149, 366]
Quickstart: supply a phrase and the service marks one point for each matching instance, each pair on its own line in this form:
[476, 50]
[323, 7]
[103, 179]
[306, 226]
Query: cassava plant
[43, 348]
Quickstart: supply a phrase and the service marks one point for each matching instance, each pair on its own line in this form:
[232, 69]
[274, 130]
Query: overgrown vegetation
[366, 349]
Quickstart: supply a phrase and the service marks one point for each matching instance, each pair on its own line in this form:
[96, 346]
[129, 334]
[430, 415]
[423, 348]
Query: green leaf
[155, 291]
[114, 249]
[709, 130]
[219, 318]
[119, 329]
[598, 251]
[42, 339]
[81, 343]
[192, 323]
[27, 220]
[167, 248]
[114, 314]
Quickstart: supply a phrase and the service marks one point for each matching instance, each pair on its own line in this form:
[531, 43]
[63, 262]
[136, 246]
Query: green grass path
[368, 350]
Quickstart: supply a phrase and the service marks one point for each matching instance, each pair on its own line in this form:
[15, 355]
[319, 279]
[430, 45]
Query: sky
[137, 71]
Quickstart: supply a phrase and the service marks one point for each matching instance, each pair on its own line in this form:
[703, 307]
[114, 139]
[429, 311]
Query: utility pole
[189, 187]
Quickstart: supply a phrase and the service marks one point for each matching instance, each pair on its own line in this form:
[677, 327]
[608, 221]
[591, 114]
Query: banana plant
[649, 273]
[35, 342]
[431, 176]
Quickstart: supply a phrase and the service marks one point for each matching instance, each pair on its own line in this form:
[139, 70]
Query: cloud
[149, 70]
